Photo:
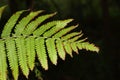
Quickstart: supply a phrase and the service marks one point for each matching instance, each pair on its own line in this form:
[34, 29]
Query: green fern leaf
[41, 53]
[30, 48]
[21, 50]
[10, 24]
[64, 31]
[68, 48]
[75, 38]
[50, 43]
[59, 25]
[90, 47]
[60, 49]
[3, 63]
[79, 45]
[82, 40]
[12, 56]
[1, 10]
[43, 28]
[87, 46]
[74, 47]
[23, 23]
[68, 36]
[34, 24]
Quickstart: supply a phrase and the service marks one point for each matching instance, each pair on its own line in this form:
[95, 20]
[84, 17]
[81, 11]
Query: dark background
[99, 20]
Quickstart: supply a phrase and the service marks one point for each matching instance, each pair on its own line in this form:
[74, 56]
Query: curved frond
[23, 41]
[3, 63]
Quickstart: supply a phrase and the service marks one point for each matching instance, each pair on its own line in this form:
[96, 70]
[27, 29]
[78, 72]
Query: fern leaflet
[41, 52]
[3, 64]
[60, 49]
[74, 47]
[68, 48]
[12, 56]
[64, 31]
[50, 43]
[30, 50]
[21, 50]
[68, 36]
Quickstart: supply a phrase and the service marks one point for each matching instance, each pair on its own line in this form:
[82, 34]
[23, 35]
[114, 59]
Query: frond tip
[87, 46]
[24, 40]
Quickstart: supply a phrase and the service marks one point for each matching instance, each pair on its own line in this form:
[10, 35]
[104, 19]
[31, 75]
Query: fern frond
[30, 50]
[21, 50]
[3, 63]
[23, 23]
[12, 56]
[41, 52]
[1, 10]
[50, 43]
[34, 24]
[23, 41]
[10, 24]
